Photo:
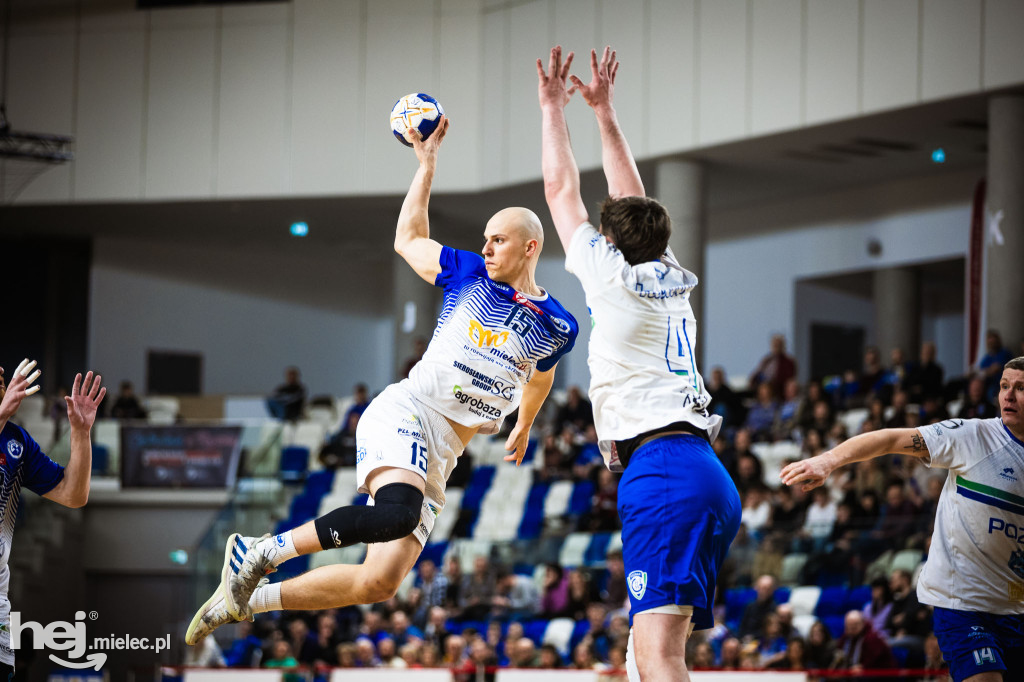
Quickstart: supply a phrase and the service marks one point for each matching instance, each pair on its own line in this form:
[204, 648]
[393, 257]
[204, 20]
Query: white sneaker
[243, 569]
[211, 616]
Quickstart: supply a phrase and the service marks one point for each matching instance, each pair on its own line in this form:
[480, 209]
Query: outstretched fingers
[94, 392]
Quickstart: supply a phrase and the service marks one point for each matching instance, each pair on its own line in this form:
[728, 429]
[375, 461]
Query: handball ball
[418, 111]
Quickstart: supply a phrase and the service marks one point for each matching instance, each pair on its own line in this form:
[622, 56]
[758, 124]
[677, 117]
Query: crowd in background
[843, 531]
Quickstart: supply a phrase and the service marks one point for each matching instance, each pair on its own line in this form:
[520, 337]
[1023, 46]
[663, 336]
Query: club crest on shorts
[637, 581]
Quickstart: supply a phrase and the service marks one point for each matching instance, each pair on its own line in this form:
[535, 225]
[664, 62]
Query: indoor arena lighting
[299, 229]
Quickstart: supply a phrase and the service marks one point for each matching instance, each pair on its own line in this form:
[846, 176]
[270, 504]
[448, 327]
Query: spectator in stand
[597, 633]
[58, 413]
[812, 445]
[581, 593]
[736, 570]
[876, 416]
[730, 454]
[436, 631]
[477, 590]
[794, 657]
[703, 657]
[762, 414]
[821, 420]
[768, 558]
[933, 659]
[896, 522]
[515, 596]
[524, 654]
[604, 515]
[474, 667]
[366, 653]
[126, 405]
[861, 648]
[403, 631]
[577, 411]
[877, 610]
[787, 514]
[909, 621]
[821, 649]
[756, 510]
[549, 657]
[976, 404]
[729, 659]
[900, 402]
[419, 347]
[771, 643]
[326, 640]
[554, 598]
[813, 394]
[776, 368]
[614, 594]
[387, 652]
[455, 651]
[927, 380]
[819, 521]
[991, 363]
[583, 657]
[872, 379]
[434, 585]
[900, 369]
[785, 615]
[340, 448]
[453, 572]
[933, 410]
[303, 643]
[588, 459]
[749, 471]
[288, 402]
[360, 401]
[725, 402]
[346, 655]
[246, 649]
[786, 423]
[757, 610]
[555, 458]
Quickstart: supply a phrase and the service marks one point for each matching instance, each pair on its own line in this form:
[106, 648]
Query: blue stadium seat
[835, 625]
[303, 508]
[597, 549]
[293, 464]
[479, 484]
[435, 552]
[533, 512]
[736, 601]
[781, 595]
[857, 597]
[100, 458]
[534, 629]
[582, 493]
[319, 483]
[832, 602]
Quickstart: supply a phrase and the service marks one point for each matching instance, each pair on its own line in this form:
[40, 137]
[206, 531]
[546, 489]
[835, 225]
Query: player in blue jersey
[679, 508]
[494, 350]
[974, 574]
[23, 464]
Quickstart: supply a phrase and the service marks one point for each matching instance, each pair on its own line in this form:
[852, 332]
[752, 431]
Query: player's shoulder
[461, 264]
[561, 318]
[15, 441]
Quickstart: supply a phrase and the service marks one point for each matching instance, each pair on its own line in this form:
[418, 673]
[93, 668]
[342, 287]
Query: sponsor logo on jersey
[482, 336]
[15, 449]
[486, 383]
[561, 324]
[522, 300]
[476, 406]
[410, 433]
[360, 454]
[433, 510]
[1016, 563]
[637, 581]
[1007, 473]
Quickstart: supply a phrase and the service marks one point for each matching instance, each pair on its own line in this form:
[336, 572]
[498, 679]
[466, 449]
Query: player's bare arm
[82, 404]
[814, 471]
[561, 175]
[619, 166]
[535, 392]
[412, 236]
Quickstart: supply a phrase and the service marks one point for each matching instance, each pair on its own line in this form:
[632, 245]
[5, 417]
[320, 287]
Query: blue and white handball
[418, 111]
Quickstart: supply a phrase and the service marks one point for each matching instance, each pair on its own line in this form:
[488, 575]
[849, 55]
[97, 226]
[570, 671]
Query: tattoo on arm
[916, 444]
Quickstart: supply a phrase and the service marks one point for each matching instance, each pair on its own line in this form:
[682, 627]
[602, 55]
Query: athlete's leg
[659, 644]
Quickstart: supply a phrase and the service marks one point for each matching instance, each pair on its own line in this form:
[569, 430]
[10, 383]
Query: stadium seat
[803, 623]
[804, 600]
[533, 512]
[573, 550]
[857, 597]
[556, 504]
[792, 565]
[906, 560]
[559, 633]
[445, 521]
[582, 494]
[161, 410]
[835, 625]
[736, 601]
[501, 509]
[597, 549]
[100, 459]
[535, 629]
[319, 483]
[832, 602]
[853, 420]
[293, 464]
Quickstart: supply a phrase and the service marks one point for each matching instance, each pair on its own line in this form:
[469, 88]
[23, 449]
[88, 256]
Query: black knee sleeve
[395, 514]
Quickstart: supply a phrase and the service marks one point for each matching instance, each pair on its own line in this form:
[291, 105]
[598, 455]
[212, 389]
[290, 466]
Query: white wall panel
[40, 91]
[951, 49]
[108, 130]
[401, 50]
[831, 62]
[576, 31]
[459, 92]
[1004, 48]
[327, 119]
[532, 27]
[890, 54]
[495, 106]
[252, 128]
[671, 97]
[180, 110]
[623, 26]
[777, 51]
[722, 65]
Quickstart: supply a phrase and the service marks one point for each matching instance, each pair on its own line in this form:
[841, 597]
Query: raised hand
[517, 443]
[19, 388]
[551, 86]
[811, 472]
[84, 400]
[600, 89]
[426, 150]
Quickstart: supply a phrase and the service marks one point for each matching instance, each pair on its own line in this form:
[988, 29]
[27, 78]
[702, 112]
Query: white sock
[266, 598]
[278, 548]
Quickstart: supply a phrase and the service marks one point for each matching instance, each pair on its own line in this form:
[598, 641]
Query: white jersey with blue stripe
[643, 374]
[22, 464]
[976, 559]
[488, 340]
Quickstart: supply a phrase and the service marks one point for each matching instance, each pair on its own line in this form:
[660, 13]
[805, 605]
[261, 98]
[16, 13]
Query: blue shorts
[680, 512]
[974, 642]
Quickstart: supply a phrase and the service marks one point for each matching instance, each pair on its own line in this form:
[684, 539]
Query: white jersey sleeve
[952, 444]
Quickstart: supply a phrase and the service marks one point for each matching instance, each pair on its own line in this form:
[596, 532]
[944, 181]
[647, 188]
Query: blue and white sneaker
[211, 616]
[244, 567]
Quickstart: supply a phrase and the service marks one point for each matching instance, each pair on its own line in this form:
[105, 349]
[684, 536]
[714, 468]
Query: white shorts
[398, 431]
